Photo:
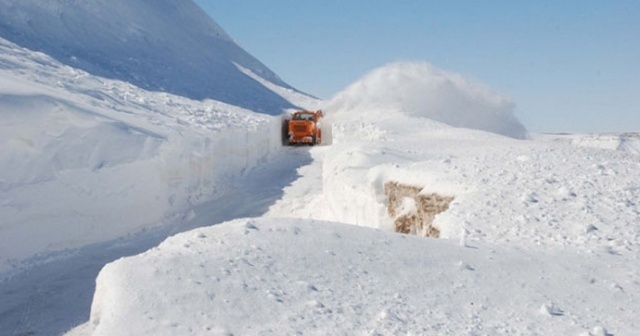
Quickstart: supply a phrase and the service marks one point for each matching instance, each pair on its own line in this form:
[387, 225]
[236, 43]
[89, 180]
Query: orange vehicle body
[304, 128]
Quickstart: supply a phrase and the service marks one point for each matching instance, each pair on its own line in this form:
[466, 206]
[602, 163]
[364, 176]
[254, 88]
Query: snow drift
[418, 89]
[165, 45]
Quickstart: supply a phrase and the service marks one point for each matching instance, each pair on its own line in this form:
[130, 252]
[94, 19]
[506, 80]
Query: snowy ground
[542, 237]
[289, 276]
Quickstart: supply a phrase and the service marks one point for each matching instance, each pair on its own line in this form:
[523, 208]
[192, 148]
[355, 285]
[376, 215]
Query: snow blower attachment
[304, 128]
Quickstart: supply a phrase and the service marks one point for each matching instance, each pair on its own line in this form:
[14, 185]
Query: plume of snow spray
[419, 89]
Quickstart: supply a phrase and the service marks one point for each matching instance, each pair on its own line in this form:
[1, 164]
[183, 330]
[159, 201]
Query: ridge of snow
[302, 100]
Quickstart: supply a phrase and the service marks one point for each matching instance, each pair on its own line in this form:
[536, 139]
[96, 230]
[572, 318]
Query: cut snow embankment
[506, 190]
[418, 89]
[85, 159]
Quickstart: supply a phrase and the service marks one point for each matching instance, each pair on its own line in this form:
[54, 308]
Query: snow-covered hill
[162, 45]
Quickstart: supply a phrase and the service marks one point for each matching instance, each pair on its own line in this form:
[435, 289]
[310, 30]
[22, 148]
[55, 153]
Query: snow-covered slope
[161, 45]
[86, 159]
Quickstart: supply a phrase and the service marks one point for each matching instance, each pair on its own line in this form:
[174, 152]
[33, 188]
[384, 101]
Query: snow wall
[84, 159]
[69, 180]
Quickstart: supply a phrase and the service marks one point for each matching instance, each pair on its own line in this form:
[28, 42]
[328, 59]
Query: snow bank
[419, 89]
[506, 191]
[85, 159]
[291, 276]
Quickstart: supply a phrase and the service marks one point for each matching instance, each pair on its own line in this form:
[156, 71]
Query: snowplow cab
[304, 128]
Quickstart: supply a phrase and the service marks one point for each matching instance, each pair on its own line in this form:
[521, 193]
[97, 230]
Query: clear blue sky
[569, 65]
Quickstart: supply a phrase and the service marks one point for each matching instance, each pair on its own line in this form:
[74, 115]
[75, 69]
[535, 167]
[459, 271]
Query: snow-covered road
[304, 197]
[55, 294]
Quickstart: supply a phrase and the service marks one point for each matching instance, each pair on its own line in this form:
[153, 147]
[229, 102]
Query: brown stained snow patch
[413, 212]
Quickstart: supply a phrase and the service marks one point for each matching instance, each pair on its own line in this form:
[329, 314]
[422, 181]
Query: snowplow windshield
[303, 116]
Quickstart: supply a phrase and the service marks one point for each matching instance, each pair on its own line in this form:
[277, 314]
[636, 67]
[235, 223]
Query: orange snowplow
[304, 128]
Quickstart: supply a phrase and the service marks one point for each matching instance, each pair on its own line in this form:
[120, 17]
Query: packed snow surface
[289, 276]
[163, 45]
[542, 236]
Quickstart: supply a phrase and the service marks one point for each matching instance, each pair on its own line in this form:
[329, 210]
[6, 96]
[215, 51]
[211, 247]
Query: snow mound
[419, 89]
[165, 45]
[260, 276]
